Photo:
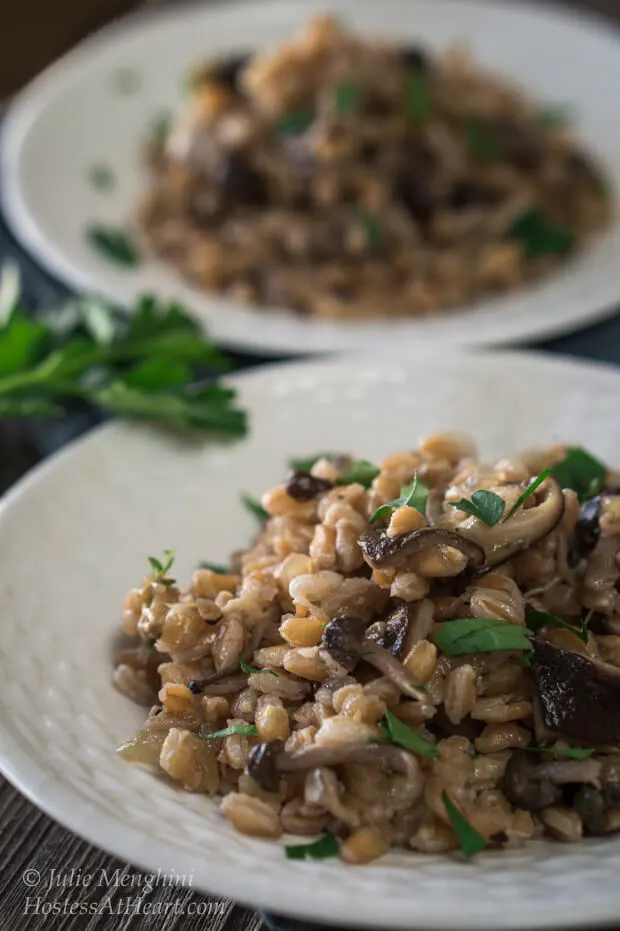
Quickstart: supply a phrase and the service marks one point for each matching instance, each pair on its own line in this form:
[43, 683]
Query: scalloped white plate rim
[294, 892]
[48, 203]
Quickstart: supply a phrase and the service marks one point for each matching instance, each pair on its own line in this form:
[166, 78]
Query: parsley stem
[44, 372]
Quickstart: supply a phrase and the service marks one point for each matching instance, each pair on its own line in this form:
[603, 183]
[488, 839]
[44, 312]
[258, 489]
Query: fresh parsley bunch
[145, 366]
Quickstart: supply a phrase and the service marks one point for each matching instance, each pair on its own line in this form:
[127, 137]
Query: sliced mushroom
[566, 772]
[506, 538]
[524, 787]
[355, 596]
[382, 551]
[323, 788]
[262, 764]
[268, 761]
[224, 685]
[386, 756]
[343, 637]
[257, 635]
[395, 630]
[325, 692]
[602, 574]
[434, 507]
[575, 697]
[509, 538]
[390, 667]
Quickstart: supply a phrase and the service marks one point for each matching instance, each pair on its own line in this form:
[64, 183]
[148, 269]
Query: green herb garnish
[140, 366]
[581, 472]
[470, 841]
[536, 619]
[250, 670]
[485, 505]
[531, 488]
[248, 730]
[571, 753]
[115, 244]
[539, 236]
[214, 567]
[413, 495]
[554, 115]
[322, 849]
[305, 465]
[404, 736]
[481, 141]
[480, 635]
[127, 81]
[101, 177]
[161, 569]
[372, 228]
[297, 122]
[417, 97]
[254, 507]
[360, 472]
[346, 98]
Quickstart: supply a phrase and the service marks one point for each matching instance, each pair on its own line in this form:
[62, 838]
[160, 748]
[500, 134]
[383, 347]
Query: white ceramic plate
[71, 117]
[74, 536]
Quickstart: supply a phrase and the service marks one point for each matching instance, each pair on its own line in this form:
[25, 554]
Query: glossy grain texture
[88, 518]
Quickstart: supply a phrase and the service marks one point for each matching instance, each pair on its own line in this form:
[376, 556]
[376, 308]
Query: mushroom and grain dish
[423, 654]
[343, 177]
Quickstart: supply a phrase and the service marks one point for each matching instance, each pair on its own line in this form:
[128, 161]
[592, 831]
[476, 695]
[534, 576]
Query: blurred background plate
[74, 536]
[72, 116]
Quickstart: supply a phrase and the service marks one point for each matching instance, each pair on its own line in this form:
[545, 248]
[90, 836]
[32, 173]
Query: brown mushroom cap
[574, 696]
[262, 764]
[303, 486]
[342, 638]
[395, 631]
[382, 551]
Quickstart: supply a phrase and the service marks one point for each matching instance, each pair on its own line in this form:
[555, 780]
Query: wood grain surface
[32, 845]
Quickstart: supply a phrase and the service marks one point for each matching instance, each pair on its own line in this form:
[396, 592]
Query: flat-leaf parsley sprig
[145, 366]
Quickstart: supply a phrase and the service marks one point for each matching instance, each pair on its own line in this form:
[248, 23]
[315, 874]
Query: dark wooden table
[31, 844]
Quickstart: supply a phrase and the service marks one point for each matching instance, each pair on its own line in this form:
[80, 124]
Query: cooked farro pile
[423, 654]
[345, 177]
